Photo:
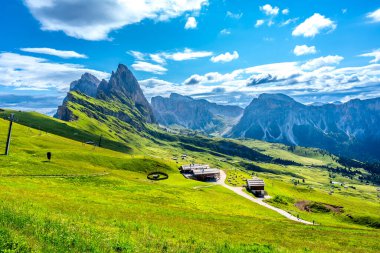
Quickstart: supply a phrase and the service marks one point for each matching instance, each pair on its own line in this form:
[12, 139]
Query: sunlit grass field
[90, 199]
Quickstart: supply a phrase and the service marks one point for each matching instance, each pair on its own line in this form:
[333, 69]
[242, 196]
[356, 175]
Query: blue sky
[227, 51]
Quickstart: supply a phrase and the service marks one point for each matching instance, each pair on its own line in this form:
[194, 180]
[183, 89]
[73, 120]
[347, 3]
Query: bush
[318, 208]
[279, 199]
[366, 221]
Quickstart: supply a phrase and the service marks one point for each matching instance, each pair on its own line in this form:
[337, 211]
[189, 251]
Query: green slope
[100, 200]
[93, 199]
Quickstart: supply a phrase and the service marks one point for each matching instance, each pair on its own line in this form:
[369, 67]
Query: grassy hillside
[93, 199]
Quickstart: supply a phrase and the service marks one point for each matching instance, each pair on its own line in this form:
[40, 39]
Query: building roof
[195, 166]
[255, 182]
[206, 172]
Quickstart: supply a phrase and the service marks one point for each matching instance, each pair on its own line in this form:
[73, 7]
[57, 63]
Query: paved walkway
[239, 191]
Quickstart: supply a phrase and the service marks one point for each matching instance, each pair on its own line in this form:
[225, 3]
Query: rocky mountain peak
[124, 87]
[275, 97]
[177, 96]
[88, 77]
[87, 84]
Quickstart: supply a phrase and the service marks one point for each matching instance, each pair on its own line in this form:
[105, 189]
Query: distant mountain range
[193, 114]
[349, 129]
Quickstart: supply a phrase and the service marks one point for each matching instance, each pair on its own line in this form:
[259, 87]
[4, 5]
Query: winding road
[239, 191]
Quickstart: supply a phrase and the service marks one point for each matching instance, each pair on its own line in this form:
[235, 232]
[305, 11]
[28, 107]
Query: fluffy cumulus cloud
[264, 78]
[226, 57]
[212, 77]
[27, 72]
[318, 78]
[304, 50]
[268, 10]
[316, 63]
[375, 54]
[54, 52]
[149, 67]
[374, 16]
[156, 87]
[285, 11]
[94, 20]
[325, 83]
[191, 23]
[314, 25]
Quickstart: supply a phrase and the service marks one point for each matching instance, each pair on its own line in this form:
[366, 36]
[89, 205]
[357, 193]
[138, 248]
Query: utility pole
[9, 134]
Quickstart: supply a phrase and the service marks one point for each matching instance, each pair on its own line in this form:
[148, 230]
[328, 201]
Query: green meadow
[93, 199]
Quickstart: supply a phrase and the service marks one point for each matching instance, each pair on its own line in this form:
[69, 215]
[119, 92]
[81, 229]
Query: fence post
[9, 134]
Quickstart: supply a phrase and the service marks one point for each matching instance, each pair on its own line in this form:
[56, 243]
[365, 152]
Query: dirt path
[239, 191]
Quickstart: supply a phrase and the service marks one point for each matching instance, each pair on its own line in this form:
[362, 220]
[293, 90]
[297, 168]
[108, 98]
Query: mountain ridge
[194, 114]
[339, 128]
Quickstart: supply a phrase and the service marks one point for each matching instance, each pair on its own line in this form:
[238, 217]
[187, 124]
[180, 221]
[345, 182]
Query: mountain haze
[178, 110]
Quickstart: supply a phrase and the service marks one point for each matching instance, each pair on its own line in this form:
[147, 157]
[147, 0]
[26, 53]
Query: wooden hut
[256, 186]
[189, 168]
[207, 174]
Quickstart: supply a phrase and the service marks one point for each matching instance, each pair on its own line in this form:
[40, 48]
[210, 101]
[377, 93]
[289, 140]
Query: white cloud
[314, 25]
[155, 87]
[225, 32]
[157, 58]
[54, 52]
[289, 21]
[149, 67]
[137, 55]
[227, 57]
[27, 72]
[270, 22]
[374, 16]
[285, 11]
[94, 20]
[269, 10]
[259, 22]
[191, 23]
[325, 84]
[234, 15]
[212, 77]
[187, 54]
[375, 54]
[161, 57]
[321, 62]
[304, 50]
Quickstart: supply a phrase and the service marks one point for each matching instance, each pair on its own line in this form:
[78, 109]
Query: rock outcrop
[122, 94]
